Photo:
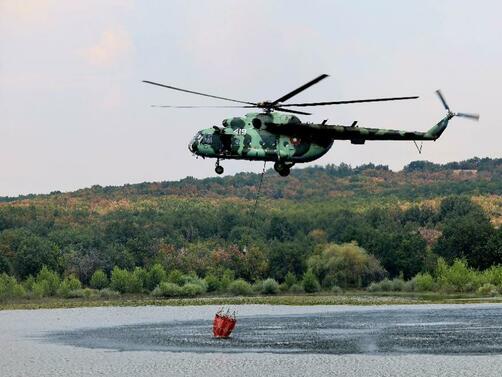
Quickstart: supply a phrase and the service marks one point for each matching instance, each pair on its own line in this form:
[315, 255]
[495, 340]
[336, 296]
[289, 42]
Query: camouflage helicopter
[277, 134]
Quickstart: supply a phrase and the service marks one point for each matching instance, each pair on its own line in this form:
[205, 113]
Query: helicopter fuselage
[257, 136]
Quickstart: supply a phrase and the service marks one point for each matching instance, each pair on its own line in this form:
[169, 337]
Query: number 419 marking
[240, 131]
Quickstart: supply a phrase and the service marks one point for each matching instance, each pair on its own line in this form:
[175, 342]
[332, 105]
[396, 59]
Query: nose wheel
[218, 169]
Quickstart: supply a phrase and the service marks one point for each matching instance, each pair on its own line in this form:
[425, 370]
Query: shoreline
[357, 298]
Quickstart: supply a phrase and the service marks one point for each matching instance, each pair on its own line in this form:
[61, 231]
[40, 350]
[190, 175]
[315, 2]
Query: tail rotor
[452, 114]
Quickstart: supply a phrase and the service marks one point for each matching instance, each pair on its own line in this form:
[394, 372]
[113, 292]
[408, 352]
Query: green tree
[99, 280]
[156, 275]
[345, 265]
[310, 282]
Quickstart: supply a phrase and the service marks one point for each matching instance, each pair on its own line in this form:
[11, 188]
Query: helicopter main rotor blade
[346, 102]
[204, 107]
[298, 90]
[198, 93]
[291, 111]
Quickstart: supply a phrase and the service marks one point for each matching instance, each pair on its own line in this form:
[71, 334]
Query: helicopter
[276, 133]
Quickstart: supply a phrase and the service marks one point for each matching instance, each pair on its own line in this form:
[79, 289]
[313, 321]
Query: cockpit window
[207, 139]
[196, 138]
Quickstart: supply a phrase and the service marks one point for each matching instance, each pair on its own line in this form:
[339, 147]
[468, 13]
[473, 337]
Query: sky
[74, 112]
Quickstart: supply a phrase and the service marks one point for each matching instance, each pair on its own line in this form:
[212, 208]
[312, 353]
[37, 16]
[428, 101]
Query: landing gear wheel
[285, 172]
[218, 169]
[282, 168]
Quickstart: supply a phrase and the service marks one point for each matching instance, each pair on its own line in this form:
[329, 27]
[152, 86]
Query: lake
[404, 340]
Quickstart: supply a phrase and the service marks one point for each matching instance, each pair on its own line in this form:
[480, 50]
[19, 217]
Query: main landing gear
[283, 168]
[218, 169]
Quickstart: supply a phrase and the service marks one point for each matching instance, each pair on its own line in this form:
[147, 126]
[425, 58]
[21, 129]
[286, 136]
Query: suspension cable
[258, 192]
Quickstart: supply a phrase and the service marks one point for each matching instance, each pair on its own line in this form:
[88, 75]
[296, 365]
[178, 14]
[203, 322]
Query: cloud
[112, 46]
[28, 11]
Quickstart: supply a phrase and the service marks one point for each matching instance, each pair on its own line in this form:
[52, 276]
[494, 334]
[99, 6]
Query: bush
[212, 282]
[457, 278]
[68, 285]
[487, 289]
[227, 278]
[270, 287]
[175, 277]
[49, 280]
[156, 275]
[99, 280]
[10, 288]
[424, 282]
[310, 282]
[257, 286]
[192, 290]
[167, 289]
[40, 289]
[240, 287]
[410, 285]
[124, 281]
[397, 285]
[290, 279]
[336, 289]
[283, 287]
[296, 288]
[108, 293]
[382, 286]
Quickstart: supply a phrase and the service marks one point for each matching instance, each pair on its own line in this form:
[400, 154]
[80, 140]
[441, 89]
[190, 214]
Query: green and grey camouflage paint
[283, 137]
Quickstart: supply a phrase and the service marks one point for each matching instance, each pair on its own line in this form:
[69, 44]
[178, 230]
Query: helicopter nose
[192, 146]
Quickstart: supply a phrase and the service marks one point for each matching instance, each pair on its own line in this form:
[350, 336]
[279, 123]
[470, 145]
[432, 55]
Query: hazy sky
[74, 113]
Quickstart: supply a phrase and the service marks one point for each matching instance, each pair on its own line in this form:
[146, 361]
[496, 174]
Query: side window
[207, 139]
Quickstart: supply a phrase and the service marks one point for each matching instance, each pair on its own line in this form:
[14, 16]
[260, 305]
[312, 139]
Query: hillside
[404, 219]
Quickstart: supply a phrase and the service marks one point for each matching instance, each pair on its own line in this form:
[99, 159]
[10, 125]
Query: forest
[322, 228]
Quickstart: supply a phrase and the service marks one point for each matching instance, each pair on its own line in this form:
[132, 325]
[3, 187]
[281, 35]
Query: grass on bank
[346, 298]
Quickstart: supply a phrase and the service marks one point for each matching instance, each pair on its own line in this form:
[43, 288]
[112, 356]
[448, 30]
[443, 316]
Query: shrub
[99, 280]
[336, 289]
[492, 275]
[424, 282]
[192, 290]
[82, 293]
[382, 286]
[212, 282]
[175, 277]
[10, 288]
[296, 288]
[310, 282]
[458, 277]
[240, 287]
[40, 289]
[257, 286]
[167, 289]
[156, 275]
[108, 293]
[290, 279]
[410, 285]
[397, 285]
[124, 281]
[50, 280]
[270, 287]
[487, 289]
[68, 285]
[227, 278]
[283, 287]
